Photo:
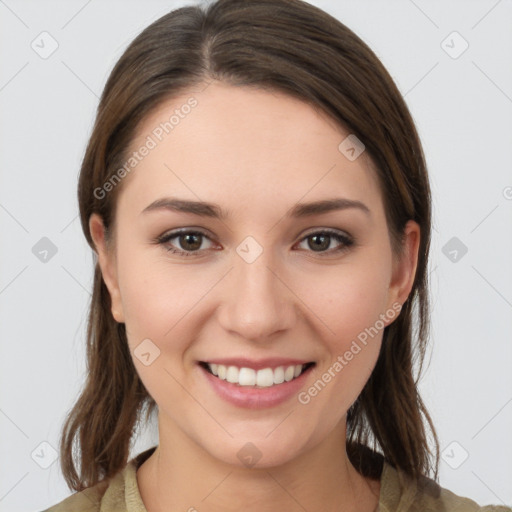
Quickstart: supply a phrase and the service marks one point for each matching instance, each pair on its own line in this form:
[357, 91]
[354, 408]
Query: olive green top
[398, 493]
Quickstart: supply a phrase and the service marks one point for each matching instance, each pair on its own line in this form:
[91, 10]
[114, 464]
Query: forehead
[246, 148]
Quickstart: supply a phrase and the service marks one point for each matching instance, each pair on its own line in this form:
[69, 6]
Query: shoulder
[118, 494]
[400, 493]
[88, 500]
[105, 496]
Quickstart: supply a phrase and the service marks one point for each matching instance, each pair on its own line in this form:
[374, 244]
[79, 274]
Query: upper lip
[270, 362]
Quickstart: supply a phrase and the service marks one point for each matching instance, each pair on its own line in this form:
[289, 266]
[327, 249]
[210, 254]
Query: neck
[181, 476]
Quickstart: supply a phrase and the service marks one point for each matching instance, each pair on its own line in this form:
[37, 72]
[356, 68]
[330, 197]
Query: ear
[107, 263]
[404, 268]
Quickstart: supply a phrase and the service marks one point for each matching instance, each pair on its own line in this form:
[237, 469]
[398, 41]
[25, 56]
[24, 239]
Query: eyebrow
[213, 210]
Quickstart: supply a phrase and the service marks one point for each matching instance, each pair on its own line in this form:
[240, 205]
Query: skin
[255, 153]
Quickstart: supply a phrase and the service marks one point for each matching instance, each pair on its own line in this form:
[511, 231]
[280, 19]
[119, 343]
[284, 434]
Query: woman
[257, 197]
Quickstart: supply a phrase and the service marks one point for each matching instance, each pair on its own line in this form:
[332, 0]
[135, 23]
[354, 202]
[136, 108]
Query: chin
[259, 451]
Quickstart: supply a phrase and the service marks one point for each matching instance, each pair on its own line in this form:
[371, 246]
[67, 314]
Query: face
[257, 281]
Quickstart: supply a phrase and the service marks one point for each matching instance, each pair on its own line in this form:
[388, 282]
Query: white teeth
[232, 374]
[265, 377]
[279, 375]
[288, 373]
[247, 377]
[221, 371]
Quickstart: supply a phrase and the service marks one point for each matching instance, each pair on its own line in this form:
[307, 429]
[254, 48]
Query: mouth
[266, 377]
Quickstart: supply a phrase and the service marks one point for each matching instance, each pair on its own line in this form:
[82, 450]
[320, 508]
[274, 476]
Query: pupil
[324, 244]
[184, 240]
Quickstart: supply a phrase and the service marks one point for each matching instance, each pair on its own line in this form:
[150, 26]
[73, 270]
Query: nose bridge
[257, 304]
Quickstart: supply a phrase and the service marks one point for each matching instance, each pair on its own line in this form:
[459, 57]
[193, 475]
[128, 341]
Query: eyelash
[347, 241]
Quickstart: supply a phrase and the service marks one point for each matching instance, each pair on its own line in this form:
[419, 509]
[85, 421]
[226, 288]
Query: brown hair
[296, 48]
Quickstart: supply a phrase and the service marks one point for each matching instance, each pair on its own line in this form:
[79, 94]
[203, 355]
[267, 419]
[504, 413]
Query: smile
[250, 377]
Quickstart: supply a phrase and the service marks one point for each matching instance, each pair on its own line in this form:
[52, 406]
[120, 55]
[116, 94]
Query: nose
[257, 301]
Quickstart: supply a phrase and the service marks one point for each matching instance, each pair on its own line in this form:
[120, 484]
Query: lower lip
[256, 398]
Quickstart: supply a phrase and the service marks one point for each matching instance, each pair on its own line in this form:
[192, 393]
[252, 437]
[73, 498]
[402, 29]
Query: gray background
[462, 104]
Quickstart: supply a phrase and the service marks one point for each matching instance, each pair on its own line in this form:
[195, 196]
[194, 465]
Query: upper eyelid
[169, 235]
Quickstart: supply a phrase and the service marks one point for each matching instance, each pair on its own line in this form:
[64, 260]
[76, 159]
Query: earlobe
[107, 263]
[404, 269]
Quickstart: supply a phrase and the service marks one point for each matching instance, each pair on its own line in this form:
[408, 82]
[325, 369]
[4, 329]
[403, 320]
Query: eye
[190, 242]
[320, 241]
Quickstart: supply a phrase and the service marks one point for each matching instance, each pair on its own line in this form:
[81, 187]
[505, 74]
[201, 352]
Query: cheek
[158, 301]
[347, 299]
[152, 293]
[350, 301]
[160, 298]
[352, 311]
